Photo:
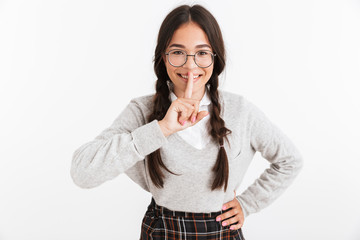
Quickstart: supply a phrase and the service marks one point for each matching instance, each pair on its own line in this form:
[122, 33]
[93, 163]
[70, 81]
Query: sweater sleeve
[284, 158]
[117, 148]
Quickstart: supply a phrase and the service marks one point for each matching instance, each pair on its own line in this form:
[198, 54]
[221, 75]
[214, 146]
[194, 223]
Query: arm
[118, 148]
[285, 162]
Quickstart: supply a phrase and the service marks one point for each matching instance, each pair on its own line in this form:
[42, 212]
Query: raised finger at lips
[189, 100]
[189, 85]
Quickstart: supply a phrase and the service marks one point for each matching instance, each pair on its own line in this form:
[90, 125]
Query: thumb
[201, 115]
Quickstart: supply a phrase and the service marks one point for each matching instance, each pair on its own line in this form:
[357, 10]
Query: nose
[190, 63]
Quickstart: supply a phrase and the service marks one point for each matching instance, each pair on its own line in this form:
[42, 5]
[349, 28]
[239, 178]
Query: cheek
[168, 67]
[209, 72]
[169, 70]
[172, 70]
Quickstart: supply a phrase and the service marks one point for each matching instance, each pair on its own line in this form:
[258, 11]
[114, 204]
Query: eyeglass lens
[179, 57]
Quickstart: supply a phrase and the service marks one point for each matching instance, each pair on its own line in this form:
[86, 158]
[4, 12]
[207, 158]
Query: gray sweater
[123, 148]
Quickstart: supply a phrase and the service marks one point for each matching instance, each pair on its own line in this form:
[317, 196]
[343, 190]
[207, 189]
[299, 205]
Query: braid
[218, 132]
[161, 105]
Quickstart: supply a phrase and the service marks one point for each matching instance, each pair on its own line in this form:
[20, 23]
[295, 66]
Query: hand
[183, 112]
[235, 213]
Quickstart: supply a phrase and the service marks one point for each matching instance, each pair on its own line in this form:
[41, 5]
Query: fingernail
[183, 123]
[218, 219]
[193, 119]
[224, 224]
[232, 227]
[224, 207]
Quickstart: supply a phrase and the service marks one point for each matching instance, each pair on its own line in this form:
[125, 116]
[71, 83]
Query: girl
[171, 143]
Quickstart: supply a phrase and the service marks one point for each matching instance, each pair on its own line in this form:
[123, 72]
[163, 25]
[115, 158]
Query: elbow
[77, 180]
[80, 172]
[82, 182]
[300, 161]
[82, 179]
[291, 165]
[297, 161]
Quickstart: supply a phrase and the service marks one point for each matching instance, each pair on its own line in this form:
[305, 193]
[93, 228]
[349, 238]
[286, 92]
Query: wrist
[166, 131]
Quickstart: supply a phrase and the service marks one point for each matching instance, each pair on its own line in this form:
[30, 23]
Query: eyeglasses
[178, 58]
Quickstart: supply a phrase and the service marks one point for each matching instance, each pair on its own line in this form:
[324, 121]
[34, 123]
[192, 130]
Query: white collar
[203, 102]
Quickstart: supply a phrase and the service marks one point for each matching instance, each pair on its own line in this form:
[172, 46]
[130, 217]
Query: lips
[185, 76]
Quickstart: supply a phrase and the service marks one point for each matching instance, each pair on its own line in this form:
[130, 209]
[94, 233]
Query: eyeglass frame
[186, 57]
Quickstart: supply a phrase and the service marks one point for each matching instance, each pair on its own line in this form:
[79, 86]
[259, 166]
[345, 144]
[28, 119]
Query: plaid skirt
[160, 223]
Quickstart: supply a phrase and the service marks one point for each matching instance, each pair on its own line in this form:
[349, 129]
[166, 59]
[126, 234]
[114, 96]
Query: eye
[177, 52]
[203, 53]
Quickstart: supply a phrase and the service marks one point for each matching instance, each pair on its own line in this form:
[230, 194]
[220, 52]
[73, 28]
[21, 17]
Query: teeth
[186, 76]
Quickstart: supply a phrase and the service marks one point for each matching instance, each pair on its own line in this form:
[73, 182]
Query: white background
[68, 68]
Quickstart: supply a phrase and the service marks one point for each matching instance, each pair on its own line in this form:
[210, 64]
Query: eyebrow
[182, 46]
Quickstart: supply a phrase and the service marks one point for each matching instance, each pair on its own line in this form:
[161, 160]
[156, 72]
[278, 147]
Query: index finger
[189, 85]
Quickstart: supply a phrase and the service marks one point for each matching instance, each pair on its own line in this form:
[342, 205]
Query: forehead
[190, 35]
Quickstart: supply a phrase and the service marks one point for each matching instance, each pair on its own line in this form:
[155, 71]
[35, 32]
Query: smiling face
[190, 38]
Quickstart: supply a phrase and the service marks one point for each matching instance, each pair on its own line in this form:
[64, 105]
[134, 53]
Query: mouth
[185, 77]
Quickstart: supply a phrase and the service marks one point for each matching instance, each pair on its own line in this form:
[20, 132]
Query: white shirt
[199, 134]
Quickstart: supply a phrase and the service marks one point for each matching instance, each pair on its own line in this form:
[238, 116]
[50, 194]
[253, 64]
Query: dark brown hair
[177, 17]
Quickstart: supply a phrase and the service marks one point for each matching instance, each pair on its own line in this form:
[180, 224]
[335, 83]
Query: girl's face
[190, 38]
